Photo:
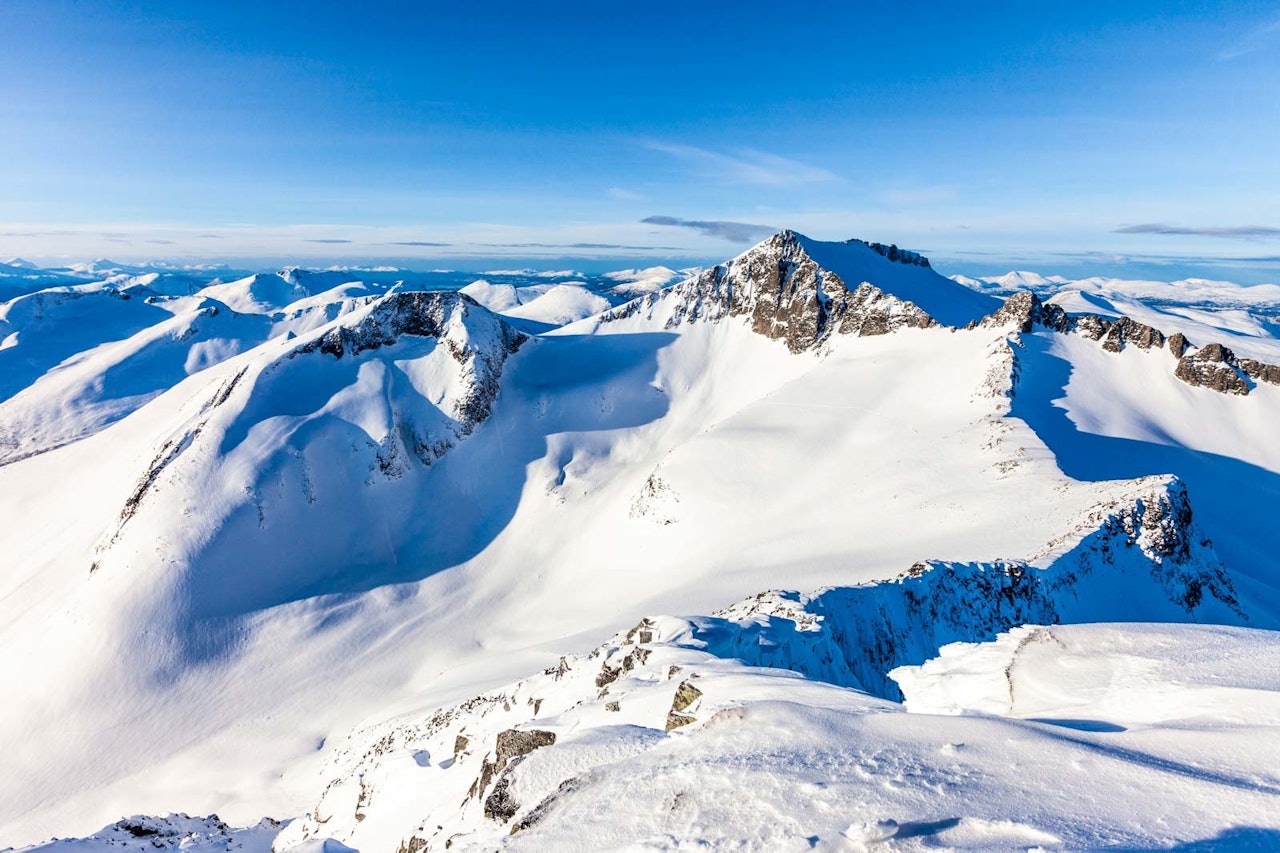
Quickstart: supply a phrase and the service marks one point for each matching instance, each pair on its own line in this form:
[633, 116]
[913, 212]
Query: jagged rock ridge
[1211, 366]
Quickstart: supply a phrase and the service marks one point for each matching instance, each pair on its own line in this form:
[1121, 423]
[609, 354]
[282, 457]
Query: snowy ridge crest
[502, 767]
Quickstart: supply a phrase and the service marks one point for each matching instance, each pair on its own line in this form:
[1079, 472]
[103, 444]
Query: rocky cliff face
[1212, 366]
[785, 295]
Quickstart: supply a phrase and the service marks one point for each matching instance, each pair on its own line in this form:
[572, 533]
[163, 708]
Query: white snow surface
[246, 520]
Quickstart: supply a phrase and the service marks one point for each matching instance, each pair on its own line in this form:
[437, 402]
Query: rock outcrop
[510, 747]
[1212, 366]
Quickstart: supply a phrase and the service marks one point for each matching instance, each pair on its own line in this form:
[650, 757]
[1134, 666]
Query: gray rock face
[785, 295]
[1024, 311]
[512, 745]
[686, 695]
[1261, 371]
[1213, 366]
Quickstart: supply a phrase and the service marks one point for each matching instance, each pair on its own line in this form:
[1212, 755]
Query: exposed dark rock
[480, 345]
[538, 812]
[686, 695]
[1260, 371]
[224, 393]
[1024, 311]
[169, 451]
[868, 310]
[500, 805]
[642, 632]
[893, 253]
[675, 721]
[1091, 326]
[1124, 331]
[1115, 334]
[510, 748]
[412, 844]
[560, 670]
[634, 658]
[1213, 366]
[421, 313]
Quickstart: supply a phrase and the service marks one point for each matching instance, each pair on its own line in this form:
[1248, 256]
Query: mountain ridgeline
[245, 515]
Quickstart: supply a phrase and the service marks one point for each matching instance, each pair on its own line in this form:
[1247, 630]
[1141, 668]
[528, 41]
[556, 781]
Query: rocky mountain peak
[802, 291]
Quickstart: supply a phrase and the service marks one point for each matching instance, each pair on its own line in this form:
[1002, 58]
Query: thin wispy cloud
[623, 194]
[747, 166]
[577, 246]
[327, 240]
[1261, 37]
[419, 243]
[734, 232]
[1237, 232]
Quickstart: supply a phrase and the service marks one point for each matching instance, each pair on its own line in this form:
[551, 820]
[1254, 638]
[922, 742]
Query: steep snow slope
[906, 276]
[394, 509]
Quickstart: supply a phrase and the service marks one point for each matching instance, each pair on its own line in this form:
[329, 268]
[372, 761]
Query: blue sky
[1125, 138]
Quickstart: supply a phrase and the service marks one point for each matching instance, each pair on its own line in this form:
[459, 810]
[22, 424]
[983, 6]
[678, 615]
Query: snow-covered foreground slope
[392, 499]
[1079, 737]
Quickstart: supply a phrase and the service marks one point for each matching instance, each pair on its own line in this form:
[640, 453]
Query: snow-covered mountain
[276, 543]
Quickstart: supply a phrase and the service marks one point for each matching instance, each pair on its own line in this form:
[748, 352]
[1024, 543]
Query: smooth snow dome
[495, 297]
[561, 305]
